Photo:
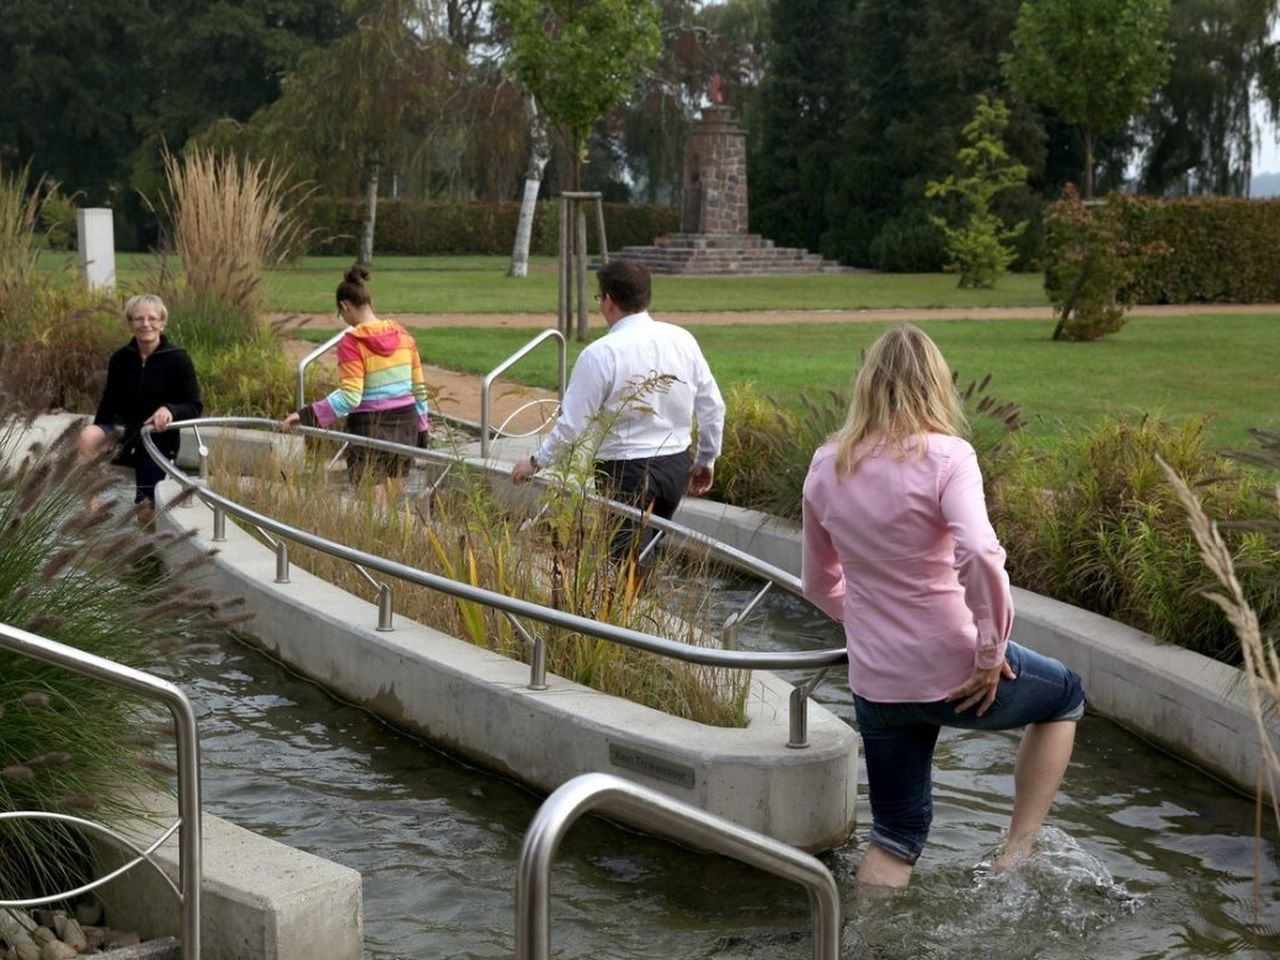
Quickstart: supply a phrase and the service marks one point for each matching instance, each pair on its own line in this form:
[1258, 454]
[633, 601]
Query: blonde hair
[902, 391]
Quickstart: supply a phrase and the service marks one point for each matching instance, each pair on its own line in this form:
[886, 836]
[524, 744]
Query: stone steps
[722, 254]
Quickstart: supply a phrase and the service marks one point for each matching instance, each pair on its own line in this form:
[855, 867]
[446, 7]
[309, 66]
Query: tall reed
[19, 244]
[231, 220]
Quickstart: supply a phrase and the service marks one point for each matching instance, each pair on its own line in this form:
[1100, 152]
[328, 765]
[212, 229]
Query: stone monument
[713, 216]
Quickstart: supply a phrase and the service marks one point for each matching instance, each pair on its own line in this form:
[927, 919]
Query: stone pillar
[97, 247]
[715, 175]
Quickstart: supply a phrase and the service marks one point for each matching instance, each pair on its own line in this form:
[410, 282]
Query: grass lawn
[1223, 366]
[479, 285]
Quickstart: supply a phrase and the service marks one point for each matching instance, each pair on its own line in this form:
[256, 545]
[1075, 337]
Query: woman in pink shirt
[898, 548]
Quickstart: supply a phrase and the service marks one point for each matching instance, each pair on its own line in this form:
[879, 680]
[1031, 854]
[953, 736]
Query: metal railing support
[188, 823]
[668, 817]
[386, 606]
[219, 524]
[537, 654]
[798, 715]
[282, 561]
[486, 386]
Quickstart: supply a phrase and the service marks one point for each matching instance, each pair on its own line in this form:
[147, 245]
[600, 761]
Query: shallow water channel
[1147, 858]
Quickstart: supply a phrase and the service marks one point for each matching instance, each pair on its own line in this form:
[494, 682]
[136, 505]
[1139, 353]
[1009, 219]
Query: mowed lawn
[1221, 366]
[461, 285]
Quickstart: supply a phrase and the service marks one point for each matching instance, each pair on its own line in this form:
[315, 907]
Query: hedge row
[1214, 249]
[418, 228]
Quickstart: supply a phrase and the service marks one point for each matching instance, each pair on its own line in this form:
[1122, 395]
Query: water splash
[1048, 905]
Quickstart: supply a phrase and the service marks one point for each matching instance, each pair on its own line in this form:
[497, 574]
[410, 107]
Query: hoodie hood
[380, 336]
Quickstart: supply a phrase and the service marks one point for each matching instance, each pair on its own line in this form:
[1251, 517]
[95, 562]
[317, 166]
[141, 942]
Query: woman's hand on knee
[980, 689]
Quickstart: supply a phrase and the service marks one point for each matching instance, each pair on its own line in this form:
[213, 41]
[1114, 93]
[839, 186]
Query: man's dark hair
[627, 284]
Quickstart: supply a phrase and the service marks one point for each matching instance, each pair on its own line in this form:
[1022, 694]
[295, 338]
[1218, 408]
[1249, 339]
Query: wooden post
[562, 310]
[580, 235]
[604, 243]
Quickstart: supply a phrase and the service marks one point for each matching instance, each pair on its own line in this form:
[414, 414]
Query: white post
[97, 246]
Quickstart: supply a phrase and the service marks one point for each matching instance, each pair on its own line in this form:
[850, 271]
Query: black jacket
[136, 388]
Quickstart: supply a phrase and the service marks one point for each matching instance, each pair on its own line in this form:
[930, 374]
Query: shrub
[980, 248]
[58, 220]
[910, 243]
[760, 431]
[1089, 268]
[1095, 523]
[1215, 249]
[87, 577]
[19, 215]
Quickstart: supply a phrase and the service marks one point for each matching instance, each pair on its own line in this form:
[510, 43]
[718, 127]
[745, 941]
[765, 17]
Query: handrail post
[282, 561]
[486, 385]
[798, 715]
[308, 359]
[537, 655]
[219, 524]
[386, 610]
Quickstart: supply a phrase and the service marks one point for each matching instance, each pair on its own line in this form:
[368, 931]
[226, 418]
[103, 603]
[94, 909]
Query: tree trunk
[370, 211]
[1088, 164]
[539, 154]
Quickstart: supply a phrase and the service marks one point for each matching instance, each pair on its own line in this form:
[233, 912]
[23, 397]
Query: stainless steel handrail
[706, 656]
[14, 640]
[487, 385]
[656, 811]
[310, 358]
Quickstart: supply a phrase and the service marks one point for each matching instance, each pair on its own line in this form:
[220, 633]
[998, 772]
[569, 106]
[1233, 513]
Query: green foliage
[579, 58]
[1200, 125]
[1089, 268]
[421, 228]
[910, 243]
[760, 430]
[1093, 61]
[1215, 249]
[979, 249]
[58, 220]
[88, 577]
[1095, 523]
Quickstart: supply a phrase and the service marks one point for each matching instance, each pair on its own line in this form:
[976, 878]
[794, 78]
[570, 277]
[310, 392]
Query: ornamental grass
[551, 548]
[76, 568]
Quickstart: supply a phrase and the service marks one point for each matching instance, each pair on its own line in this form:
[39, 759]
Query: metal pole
[386, 611]
[537, 655]
[282, 561]
[798, 715]
[219, 524]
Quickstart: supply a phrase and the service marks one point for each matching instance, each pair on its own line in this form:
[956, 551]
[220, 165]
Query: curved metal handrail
[671, 818]
[511, 606]
[15, 640]
[487, 385]
[501, 429]
[309, 359]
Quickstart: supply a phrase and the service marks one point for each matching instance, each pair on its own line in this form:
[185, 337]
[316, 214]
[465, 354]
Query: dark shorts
[395, 426]
[898, 741]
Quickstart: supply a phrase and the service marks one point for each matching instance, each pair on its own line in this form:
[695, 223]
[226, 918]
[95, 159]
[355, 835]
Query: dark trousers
[646, 483]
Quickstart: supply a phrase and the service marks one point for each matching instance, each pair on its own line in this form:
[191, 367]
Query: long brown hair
[902, 391]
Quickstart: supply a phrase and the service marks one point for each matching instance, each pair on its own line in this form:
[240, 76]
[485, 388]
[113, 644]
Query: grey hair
[134, 303]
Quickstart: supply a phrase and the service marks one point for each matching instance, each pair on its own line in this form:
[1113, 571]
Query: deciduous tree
[1095, 62]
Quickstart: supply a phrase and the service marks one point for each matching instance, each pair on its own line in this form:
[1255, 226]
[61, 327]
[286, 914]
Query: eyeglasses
[599, 298]
[144, 320]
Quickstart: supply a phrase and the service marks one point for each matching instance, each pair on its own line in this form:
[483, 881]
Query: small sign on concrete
[97, 246]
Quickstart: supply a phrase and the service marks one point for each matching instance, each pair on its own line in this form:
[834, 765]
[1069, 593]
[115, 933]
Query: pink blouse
[903, 554]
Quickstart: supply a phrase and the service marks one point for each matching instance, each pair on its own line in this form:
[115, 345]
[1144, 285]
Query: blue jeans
[898, 741]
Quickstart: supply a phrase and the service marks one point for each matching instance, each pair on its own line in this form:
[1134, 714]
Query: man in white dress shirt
[642, 383]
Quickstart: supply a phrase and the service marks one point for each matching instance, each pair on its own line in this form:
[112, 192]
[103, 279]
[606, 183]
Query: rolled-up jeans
[898, 741]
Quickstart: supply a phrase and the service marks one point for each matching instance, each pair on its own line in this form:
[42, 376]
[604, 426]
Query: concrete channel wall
[479, 705]
[1186, 703]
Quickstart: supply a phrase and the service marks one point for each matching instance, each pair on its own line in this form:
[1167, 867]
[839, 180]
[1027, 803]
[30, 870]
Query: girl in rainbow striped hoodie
[381, 390]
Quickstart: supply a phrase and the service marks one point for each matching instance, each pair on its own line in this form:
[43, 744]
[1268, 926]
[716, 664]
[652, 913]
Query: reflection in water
[1146, 858]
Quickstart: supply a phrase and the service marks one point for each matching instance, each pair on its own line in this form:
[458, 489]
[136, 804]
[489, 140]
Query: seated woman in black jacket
[150, 381]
